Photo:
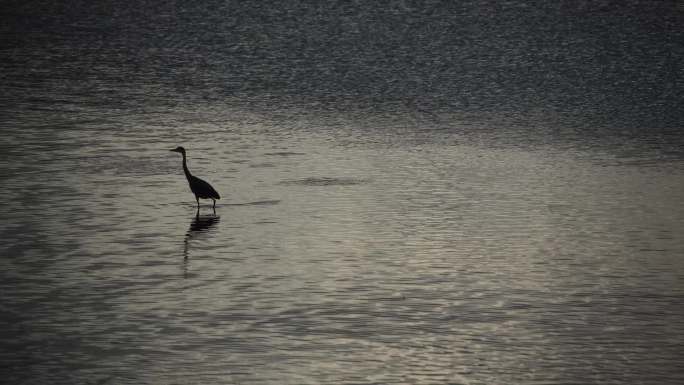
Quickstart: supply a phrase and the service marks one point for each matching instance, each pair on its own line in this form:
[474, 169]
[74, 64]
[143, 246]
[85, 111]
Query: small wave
[283, 153]
[256, 203]
[324, 181]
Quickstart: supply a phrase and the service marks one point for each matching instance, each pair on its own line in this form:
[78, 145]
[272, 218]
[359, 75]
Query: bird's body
[199, 187]
[202, 189]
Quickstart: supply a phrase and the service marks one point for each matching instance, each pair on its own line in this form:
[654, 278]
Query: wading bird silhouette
[200, 188]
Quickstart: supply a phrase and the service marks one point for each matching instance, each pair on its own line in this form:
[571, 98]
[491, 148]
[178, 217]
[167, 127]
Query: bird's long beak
[174, 150]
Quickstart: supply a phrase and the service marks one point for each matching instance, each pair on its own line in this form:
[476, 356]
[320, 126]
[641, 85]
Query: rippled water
[362, 239]
[337, 255]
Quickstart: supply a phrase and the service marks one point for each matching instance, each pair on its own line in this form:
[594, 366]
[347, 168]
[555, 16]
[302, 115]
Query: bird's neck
[185, 167]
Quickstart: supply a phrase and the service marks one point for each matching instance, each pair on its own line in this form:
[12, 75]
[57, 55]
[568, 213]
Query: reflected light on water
[472, 193]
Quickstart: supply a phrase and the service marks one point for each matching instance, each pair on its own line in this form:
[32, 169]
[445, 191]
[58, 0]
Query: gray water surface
[469, 194]
[346, 255]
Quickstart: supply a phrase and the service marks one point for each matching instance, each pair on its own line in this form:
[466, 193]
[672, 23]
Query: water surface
[387, 216]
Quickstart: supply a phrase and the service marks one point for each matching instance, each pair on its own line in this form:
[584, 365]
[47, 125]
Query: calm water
[476, 194]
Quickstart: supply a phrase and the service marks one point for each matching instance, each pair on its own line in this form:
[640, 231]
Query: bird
[199, 187]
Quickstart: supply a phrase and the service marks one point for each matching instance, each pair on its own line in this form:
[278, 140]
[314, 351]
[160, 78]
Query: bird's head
[179, 149]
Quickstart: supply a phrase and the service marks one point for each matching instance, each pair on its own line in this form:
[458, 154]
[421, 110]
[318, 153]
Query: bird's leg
[214, 204]
[197, 199]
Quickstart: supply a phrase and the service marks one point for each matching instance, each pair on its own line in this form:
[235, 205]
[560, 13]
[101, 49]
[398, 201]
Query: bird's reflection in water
[201, 224]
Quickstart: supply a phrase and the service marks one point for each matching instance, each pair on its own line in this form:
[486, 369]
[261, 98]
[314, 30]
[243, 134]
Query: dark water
[470, 192]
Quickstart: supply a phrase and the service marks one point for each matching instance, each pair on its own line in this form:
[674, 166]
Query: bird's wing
[203, 188]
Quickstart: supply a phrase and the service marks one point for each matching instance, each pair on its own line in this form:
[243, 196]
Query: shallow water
[404, 212]
[345, 255]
